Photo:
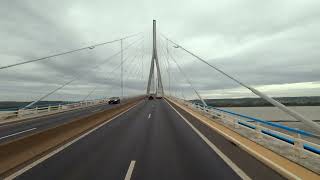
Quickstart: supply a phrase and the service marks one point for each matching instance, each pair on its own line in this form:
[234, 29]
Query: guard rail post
[258, 130]
[20, 113]
[236, 123]
[298, 146]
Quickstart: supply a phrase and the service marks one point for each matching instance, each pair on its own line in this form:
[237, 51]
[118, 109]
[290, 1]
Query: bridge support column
[155, 62]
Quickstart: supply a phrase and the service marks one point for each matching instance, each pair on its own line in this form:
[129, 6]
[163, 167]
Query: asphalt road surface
[149, 142]
[12, 131]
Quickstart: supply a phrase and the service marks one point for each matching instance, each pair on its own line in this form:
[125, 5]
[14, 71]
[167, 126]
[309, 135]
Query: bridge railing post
[20, 113]
[206, 109]
[298, 146]
[258, 130]
[211, 112]
[236, 123]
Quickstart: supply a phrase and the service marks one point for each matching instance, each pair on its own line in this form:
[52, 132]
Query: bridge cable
[125, 60]
[164, 66]
[77, 77]
[187, 79]
[135, 68]
[282, 107]
[95, 87]
[167, 62]
[133, 59]
[67, 52]
[167, 58]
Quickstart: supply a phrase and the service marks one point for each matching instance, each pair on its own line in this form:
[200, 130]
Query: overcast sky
[271, 45]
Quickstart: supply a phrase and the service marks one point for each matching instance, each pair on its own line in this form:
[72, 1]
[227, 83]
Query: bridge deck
[14, 130]
[159, 142]
[281, 164]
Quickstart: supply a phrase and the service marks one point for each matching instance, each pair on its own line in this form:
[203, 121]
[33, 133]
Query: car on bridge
[151, 96]
[114, 100]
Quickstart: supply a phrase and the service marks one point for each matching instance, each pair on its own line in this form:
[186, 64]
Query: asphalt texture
[153, 135]
[9, 132]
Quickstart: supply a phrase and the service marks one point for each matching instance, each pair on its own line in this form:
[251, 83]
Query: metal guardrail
[296, 141]
[43, 110]
[272, 124]
[290, 129]
[38, 111]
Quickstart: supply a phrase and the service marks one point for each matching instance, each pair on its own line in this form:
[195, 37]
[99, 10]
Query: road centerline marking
[10, 135]
[96, 110]
[130, 170]
[225, 158]
[149, 116]
[50, 154]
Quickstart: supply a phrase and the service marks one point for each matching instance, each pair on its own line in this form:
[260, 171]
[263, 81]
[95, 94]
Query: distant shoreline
[258, 102]
[14, 105]
[236, 102]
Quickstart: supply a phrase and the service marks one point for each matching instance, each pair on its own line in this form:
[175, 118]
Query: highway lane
[151, 141]
[15, 130]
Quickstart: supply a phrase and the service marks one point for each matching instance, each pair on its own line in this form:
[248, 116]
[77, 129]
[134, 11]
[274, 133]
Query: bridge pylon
[155, 63]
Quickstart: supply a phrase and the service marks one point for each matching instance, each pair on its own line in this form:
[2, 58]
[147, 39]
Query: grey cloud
[260, 43]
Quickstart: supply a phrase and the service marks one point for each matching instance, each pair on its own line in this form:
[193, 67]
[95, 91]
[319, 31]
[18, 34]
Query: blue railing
[283, 138]
[290, 129]
[270, 133]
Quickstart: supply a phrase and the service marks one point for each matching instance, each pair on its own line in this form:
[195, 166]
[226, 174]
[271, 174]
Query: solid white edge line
[282, 171]
[31, 165]
[10, 135]
[228, 161]
[130, 170]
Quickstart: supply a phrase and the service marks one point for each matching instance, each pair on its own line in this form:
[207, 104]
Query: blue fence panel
[302, 132]
[311, 148]
[247, 125]
[283, 138]
[288, 140]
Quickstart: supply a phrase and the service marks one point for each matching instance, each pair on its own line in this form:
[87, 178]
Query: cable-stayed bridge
[154, 134]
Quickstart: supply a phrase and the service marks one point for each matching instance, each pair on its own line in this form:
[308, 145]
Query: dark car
[114, 100]
[150, 97]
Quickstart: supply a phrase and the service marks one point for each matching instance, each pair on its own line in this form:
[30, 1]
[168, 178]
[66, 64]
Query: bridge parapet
[292, 147]
[22, 114]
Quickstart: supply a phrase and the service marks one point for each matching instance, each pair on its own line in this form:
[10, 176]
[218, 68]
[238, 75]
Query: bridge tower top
[155, 62]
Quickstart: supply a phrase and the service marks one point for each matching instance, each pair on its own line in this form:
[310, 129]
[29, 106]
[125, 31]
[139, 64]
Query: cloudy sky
[271, 45]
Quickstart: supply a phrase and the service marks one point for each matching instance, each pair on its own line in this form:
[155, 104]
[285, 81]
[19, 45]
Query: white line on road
[17, 133]
[96, 110]
[130, 170]
[228, 161]
[149, 116]
[38, 161]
